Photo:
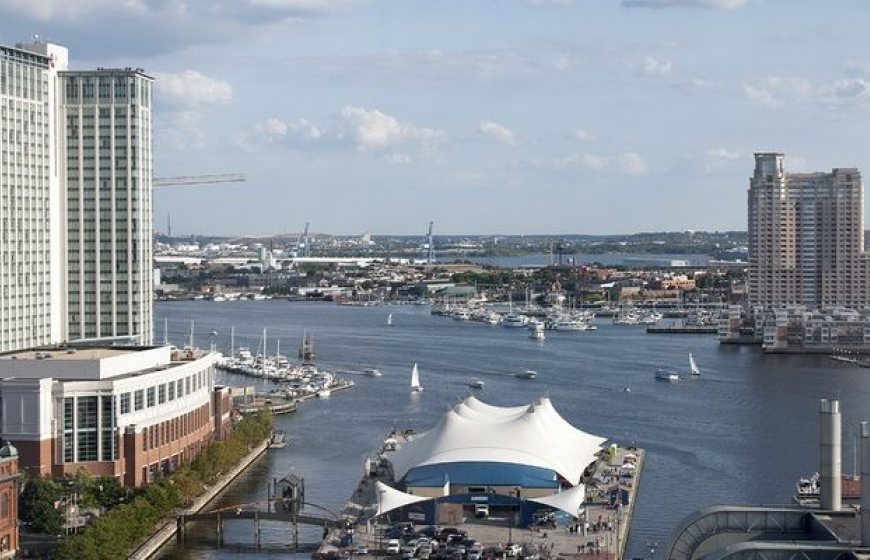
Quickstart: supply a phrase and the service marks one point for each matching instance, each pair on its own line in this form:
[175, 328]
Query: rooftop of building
[92, 363]
[127, 71]
[70, 353]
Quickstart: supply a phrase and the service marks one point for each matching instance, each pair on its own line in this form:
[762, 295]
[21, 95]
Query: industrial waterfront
[742, 433]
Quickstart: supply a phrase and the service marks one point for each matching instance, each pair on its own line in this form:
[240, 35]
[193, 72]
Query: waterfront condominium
[107, 148]
[806, 237]
[31, 218]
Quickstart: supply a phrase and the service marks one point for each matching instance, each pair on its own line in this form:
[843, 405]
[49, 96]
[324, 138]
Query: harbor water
[741, 434]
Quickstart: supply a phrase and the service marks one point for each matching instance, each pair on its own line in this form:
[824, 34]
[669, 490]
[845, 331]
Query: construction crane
[194, 180]
[190, 180]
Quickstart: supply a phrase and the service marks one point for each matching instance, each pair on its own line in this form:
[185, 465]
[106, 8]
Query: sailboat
[306, 349]
[390, 320]
[415, 379]
[693, 367]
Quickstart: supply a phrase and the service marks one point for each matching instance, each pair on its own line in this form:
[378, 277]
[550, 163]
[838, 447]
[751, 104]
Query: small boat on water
[324, 393]
[372, 372]
[537, 329]
[415, 380]
[808, 487]
[667, 375]
[390, 320]
[476, 384]
[278, 440]
[527, 374]
[693, 367]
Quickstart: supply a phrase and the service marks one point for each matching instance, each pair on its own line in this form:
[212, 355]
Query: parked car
[361, 549]
[474, 554]
[513, 549]
[481, 510]
[393, 546]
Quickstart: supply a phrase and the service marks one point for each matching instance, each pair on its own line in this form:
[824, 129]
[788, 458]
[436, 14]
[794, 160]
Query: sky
[486, 116]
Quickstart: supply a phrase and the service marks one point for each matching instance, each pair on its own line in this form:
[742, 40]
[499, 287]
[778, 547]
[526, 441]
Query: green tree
[37, 505]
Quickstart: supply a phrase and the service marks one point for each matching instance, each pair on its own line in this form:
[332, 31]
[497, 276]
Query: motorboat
[476, 384]
[324, 393]
[278, 440]
[571, 325]
[808, 487]
[514, 321]
[527, 374]
[372, 372]
[667, 375]
[537, 329]
[415, 380]
[390, 320]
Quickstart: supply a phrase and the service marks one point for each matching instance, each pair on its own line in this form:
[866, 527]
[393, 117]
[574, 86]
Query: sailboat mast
[232, 341]
[166, 331]
[190, 339]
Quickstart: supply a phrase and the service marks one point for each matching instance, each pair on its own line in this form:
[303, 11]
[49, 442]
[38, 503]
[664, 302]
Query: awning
[569, 501]
[389, 498]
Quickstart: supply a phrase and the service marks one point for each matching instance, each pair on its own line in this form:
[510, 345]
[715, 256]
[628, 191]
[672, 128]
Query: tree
[37, 505]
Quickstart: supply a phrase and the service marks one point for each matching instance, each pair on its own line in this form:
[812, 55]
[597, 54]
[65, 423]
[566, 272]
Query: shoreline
[162, 534]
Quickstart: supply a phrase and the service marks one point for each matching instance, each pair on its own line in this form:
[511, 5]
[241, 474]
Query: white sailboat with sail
[415, 380]
[390, 320]
[693, 367]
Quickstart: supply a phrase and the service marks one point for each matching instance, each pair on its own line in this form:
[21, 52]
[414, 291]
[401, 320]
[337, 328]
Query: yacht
[527, 374]
[476, 384]
[372, 372]
[571, 325]
[278, 440]
[667, 375]
[324, 393]
[512, 320]
[808, 487]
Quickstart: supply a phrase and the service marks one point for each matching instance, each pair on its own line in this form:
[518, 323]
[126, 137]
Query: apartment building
[806, 237]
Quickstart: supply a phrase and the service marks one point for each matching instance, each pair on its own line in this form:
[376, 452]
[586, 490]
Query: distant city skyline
[492, 116]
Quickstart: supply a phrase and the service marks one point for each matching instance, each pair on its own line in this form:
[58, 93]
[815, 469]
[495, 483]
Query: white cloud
[190, 89]
[631, 163]
[715, 4]
[582, 134]
[652, 67]
[498, 133]
[277, 129]
[852, 92]
[47, 10]
[372, 129]
[365, 130]
[716, 158]
[587, 161]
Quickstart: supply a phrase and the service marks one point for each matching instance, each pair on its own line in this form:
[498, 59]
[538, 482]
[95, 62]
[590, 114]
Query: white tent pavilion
[473, 431]
[570, 501]
[389, 498]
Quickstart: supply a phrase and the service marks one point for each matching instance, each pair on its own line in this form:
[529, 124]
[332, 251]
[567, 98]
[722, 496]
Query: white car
[512, 549]
[393, 546]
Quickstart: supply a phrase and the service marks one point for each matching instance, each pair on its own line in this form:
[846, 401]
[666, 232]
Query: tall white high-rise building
[31, 190]
[107, 147]
[806, 237]
[75, 201]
